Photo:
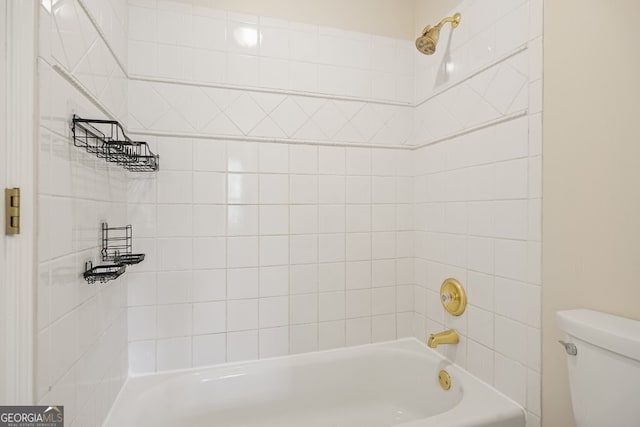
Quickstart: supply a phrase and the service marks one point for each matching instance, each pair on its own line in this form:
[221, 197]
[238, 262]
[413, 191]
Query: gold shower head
[427, 42]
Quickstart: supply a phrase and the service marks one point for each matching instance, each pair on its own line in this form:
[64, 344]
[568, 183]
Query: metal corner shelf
[107, 140]
[117, 245]
[102, 273]
[116, 252]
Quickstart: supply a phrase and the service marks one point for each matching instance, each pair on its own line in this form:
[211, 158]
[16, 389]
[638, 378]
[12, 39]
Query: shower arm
[455, 21]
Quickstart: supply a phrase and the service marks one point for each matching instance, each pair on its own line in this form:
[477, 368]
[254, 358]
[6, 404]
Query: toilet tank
[604, 375]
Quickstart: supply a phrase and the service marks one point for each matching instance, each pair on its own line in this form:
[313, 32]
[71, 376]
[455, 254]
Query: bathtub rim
[411, 344]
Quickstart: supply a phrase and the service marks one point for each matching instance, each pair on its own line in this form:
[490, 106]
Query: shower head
[427, 42]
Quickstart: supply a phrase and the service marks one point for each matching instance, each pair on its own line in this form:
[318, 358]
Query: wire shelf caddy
[107, 140]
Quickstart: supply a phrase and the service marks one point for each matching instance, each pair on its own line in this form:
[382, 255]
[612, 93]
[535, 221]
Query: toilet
[603, 357]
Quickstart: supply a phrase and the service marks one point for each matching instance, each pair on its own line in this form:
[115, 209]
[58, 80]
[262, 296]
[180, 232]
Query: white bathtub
[377, 385]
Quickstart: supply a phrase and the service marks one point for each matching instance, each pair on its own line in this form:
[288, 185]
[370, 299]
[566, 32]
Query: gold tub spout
[445, 337]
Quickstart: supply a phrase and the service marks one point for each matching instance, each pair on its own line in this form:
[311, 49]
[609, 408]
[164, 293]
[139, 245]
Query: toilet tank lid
[613, 333]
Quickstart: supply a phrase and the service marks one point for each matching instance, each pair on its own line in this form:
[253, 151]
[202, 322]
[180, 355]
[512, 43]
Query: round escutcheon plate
[453, 297]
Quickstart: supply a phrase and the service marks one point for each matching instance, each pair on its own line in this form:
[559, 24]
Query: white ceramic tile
[331, 334]
[331, 189]
[175, 254]
[242, 252]
[511, 219]
[174, 320]
[358, 189]
[242, 157]
[174, 187]
[274, 281]
[274, 219]
[510, 378]
[242, 346]
[358, 303]
[209, 220]
[209, 155]
[274, 342]
[383, 273]
[274, 189]
[273, 158]
[174, 353]
[304, 219]
[358, 247]
[242, 69]
[209, 349]
[209, 252]
[304, 249]
[208, 187]
[274, 312]
[358, 218]
[242, 188]
[174, 287]
[242, 315]
[358, 331]
[177, 153]
[481, 326]
[209, 318]
[304, 338]
[274, 73]
[304, 279]
[331, 160]
[303, 309]
[480, 361]
[405, 298]
[274, 250]
[383, 245]
[331, 247]
[303, 189]
[383, 300]
[383, 328]
[358, 275]
[331, 306]
[242, 220]
[383, 217]
[511, 339]
[331, 277]
[511, 259]
[142, 323]
[331, 218]
[209, 285]
[141, 290]
[358, 161]
[142, 357]
[303, 159]
[242, 283]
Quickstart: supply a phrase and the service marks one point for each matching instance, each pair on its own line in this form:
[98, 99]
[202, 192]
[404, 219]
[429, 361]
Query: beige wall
[431, 12]
[392, 18]
[591, 173]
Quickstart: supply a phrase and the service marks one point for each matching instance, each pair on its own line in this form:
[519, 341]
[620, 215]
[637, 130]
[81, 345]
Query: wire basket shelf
[107, 140]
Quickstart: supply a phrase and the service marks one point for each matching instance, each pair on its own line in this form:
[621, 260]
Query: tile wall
[316, 187]
[478, 194]
[267, 235]
[82, 329]
[277, 249]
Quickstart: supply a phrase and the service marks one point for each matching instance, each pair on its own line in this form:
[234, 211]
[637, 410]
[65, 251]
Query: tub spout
[445, 337]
